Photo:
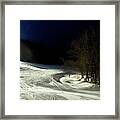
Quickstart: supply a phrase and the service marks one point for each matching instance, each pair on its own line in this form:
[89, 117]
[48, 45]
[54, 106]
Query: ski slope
[38, 82]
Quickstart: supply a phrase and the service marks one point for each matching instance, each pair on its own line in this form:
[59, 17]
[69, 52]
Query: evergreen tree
[84, 54]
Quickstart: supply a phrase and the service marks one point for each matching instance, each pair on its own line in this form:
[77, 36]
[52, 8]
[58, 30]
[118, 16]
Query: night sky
[46, 41]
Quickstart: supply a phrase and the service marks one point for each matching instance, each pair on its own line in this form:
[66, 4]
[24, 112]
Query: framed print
[60, 59]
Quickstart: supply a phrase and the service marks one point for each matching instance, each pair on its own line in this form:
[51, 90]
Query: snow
[37, 83]
[73, 81]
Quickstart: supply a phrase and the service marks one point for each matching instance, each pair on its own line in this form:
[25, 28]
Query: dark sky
[53, 34]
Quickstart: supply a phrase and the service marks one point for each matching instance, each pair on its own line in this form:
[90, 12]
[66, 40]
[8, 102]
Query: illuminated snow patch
[38, 83]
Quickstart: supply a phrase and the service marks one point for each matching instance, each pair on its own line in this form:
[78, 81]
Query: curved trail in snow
[38, 83]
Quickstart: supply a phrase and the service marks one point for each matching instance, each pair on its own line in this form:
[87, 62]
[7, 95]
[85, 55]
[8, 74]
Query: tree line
[84, 54]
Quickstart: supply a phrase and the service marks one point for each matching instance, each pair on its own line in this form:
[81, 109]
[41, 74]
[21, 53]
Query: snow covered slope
[38, 82]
